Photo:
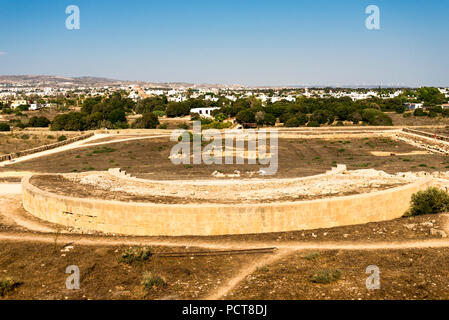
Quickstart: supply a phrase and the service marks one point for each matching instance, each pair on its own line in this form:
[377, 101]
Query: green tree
[245, 116]
[148, 121]
[269, 119]
[431, 96]
[39, 122]
[293, 122]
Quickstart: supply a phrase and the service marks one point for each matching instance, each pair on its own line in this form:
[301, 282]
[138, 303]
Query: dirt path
[12, 213]
[10, 188]
[88, 240]
[245, 272]
[154, 136]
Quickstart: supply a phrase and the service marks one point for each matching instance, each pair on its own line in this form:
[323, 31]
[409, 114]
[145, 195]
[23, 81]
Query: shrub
[220, 117]
[419, 113]
[326, 276]
[355, 118]
[104, 150]
[159, 113]
[183, 125]
[312, 256]
[218, 125]
[303, 118]
[313, 124]
[263, 269]
[7, 286]
[195, 116]
[20, 125]
[430, 201]
[62, 138]
[134, 255]
[205, 120]
[4, 127]
[376, 117]
[152, 282]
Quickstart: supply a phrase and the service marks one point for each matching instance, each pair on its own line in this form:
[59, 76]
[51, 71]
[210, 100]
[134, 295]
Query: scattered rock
[436, 232]
[67, 249]
[427, 224]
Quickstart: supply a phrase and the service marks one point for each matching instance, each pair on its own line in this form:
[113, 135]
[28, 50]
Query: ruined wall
[427, 134]
[214, 219]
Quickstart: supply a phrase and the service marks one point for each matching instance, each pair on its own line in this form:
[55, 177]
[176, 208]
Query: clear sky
[251, 42]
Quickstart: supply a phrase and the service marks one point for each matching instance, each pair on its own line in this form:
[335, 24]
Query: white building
[17, 103]
[38, 106]
[203, 112]
[413, 106]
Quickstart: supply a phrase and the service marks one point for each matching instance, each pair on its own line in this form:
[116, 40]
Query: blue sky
[283, 42]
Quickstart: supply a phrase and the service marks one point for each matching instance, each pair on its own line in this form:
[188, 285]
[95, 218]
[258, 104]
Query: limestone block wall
[148, 219]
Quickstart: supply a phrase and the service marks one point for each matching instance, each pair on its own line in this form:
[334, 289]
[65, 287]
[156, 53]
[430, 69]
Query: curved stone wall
[147, 219]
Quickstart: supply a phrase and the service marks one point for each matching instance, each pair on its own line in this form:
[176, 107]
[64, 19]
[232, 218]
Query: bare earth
[299, 158]
[411, 253]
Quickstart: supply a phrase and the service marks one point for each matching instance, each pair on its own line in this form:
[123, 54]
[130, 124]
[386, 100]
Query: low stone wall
[427, 134]
[122, 174]
[44, 148]
[147, 219]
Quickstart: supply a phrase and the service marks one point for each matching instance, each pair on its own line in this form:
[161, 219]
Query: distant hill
[48, 81]
[59, 81]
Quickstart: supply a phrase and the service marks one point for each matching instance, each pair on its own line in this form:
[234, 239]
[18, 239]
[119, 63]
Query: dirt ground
[19, 141]
[410, 228]
[297, 158]
[443, 131]
[36, 254]
[400, 120]
[174, 123]
[404, 274]
[40, 268]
